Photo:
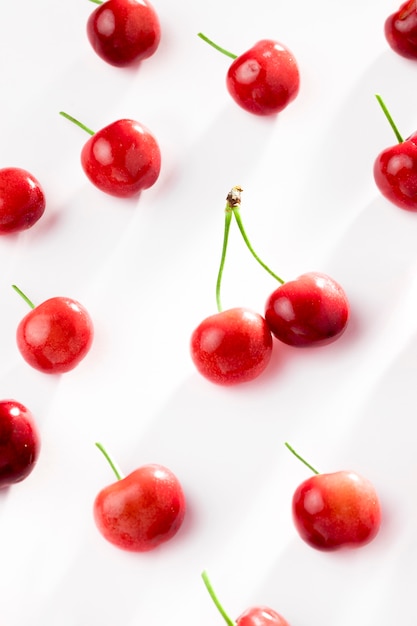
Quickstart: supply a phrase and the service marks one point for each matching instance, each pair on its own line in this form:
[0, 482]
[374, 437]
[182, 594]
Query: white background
[146, 270]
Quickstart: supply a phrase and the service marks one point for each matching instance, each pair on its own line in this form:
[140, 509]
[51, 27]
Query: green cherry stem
[227, 222]
[112, 464]
[219, 48]
[24, 296]
[238, 219]
[97, 1]
[313, 469]
[216, 601]
[75, 121]
[389, 118]
[233, 201]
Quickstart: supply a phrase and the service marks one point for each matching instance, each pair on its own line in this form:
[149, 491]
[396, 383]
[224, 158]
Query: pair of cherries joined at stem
[121, 159]
[235, 345]
[395, 168]
[142, 510]
[262, 80]
[400, 30]
[335, 510]
[54, 336]
[124, 32]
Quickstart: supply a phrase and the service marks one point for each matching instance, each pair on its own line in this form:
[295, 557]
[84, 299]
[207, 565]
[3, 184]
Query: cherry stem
[219, 48]
[227, 222]
[232, 208]
[301, 458]
[97, 1]
[72, 119]
[24, 296]
[389, 118]
[238, 219]
[112, 464]
[215, 599]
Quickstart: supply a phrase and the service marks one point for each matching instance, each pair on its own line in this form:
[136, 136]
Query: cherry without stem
[335, 510]
[253, 616]
[22, 200]
[395, 168]
[19, 443]
[400, 30]
[123, 32]
[264, 79]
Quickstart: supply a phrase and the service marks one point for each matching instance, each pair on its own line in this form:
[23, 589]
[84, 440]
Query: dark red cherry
[124, 31]
[19, 442]
[401, 30]
[395, 168]
[310, 310]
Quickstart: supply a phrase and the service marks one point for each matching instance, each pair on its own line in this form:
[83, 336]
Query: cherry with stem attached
[142, 510]
[264, 79]
[253, 616]
[312, 310]
[121, 159]
[234, 345]
[395, 168]
[55, 335]
[335, 510]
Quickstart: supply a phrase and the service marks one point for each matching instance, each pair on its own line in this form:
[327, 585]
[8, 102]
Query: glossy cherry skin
[261, 616]
[19, 443]
[395, 173]
[233, 346]
[265, 79]
[401, 30]
[122, 158]
[124, 31]
[142, 510]
[312, 310]
[336, 510]
[55, 336]
[22, 200]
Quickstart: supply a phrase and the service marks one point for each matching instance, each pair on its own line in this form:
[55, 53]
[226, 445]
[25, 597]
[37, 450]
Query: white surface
[146, 272]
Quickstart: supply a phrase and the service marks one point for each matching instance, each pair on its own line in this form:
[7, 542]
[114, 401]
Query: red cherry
[55, 335]
[124, 31]
[261, 616]
[254, 616]
[311, 310]
[264, 79]
[22, 200]
[142, 510]
[232, 346]
[19, 442]
[121, 159]
[336, 510]
[395, 168]
[401, 30]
